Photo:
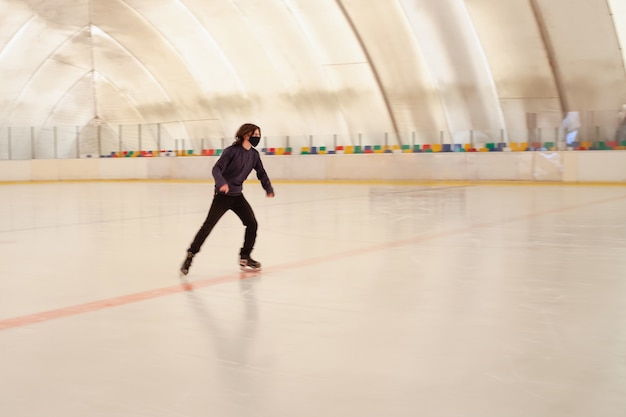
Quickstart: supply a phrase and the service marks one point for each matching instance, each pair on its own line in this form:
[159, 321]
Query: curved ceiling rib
[524, 81]
[317, 48]
[146, 71]
[39, 67]
[288, 87]
[549, 47]
[120, 92]
[136, 59]
[14, 38]
[63, 96]
[409, 15]
[487, 70]
[586, 52]
[152, 25]
[215, 45]
[454, 55]
[617, 10]
[160, 58]
[372, 66]
[425, 29]
[156, 29]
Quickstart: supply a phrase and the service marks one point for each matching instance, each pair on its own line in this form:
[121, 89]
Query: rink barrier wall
[558, 166]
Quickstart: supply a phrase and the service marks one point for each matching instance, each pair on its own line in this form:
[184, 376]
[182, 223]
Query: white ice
[375, 300]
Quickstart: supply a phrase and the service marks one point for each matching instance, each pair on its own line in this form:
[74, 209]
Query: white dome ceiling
[310, 67]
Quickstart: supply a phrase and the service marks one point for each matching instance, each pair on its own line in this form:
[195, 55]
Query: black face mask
[254, 140]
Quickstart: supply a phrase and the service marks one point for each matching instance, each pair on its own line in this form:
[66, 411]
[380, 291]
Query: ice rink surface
[375, 300]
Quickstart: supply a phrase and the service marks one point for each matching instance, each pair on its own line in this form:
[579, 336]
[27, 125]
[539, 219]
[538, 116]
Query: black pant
[221, 204]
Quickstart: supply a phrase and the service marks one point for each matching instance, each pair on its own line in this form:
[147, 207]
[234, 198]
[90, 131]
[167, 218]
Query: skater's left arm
[265, 180]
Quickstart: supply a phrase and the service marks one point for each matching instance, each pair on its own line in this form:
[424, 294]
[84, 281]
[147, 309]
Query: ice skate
[246, 263]
[184, 269]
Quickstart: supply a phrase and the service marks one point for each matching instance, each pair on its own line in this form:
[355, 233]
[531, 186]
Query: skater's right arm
[219, 167]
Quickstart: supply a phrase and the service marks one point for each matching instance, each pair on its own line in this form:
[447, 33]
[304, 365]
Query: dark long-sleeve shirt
[234, 166]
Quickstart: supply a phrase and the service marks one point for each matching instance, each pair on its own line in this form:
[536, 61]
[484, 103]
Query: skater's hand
[224, 189]
[270, 195]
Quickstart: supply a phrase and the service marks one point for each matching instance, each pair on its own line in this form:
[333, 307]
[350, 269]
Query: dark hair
[244, 129]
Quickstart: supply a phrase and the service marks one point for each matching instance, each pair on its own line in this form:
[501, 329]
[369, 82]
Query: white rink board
[589, 166]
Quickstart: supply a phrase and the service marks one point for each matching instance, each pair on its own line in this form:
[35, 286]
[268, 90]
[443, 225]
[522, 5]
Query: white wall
[574, 166]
